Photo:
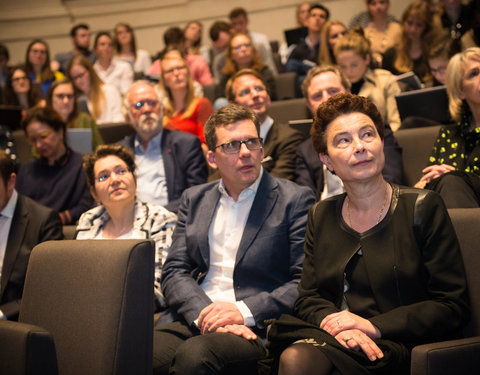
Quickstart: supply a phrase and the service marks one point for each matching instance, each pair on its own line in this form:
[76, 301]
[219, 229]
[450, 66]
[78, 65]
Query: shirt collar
[250, 189]
[9, 208]
[265, 128]
[154, 144]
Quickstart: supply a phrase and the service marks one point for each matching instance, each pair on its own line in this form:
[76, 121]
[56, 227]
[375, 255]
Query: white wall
[23, 20]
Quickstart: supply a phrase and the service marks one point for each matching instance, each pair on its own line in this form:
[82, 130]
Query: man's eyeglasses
[105, 175]
[247, 91]
[139, 105]
[233, 147]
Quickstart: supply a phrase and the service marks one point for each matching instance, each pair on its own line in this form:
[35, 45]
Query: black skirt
[288, 329]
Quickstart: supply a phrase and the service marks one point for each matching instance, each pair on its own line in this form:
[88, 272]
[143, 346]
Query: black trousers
[458, 189]
[180, 349]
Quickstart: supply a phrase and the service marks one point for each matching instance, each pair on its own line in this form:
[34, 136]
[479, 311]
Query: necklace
[381, 210]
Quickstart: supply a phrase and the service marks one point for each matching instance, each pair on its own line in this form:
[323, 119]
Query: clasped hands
[224, 317]
[353, 332]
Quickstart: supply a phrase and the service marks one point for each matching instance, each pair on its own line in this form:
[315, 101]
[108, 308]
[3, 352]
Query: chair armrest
[447, 357]
[26, 349]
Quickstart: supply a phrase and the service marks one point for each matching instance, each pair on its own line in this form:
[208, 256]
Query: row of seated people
[234, 260]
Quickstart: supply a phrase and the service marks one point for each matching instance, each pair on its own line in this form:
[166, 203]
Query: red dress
[193, 123]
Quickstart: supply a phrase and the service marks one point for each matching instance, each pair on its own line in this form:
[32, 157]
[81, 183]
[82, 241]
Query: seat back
[283, 111]
[466, 221]
[416, 147]
[114, 132]
[285, 85]
[95, 297]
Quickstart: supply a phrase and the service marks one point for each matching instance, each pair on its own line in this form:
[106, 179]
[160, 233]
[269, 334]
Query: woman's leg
[304, 359]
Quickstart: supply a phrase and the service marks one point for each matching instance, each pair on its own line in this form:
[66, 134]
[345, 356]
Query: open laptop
[80, 140]
[430, 103]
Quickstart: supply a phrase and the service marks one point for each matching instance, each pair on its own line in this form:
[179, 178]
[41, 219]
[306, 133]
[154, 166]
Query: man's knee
[195, 356]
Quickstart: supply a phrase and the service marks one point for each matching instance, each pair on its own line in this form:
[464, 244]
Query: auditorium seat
[284, 111]
[87, 308]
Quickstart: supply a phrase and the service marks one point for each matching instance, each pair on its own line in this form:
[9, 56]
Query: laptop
[80, 140]
[430, 103]
[294, 36]
[10, 116]
[303, 126]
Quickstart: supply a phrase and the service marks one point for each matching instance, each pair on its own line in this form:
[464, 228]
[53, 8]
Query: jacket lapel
[168, 163]
[265, 199]
[206, 211]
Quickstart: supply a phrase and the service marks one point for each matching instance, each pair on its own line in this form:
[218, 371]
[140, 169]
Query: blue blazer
[269, 259]
[183, 160]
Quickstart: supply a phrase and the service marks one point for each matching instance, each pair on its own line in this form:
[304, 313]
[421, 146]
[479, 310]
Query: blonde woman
[103, 100]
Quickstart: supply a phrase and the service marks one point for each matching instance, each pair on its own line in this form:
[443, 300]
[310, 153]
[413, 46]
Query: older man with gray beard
[167, 161]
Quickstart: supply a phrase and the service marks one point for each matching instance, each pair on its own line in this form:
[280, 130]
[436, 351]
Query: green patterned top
[458, 146]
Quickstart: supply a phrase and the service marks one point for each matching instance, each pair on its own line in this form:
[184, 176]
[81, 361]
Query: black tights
[303, 359]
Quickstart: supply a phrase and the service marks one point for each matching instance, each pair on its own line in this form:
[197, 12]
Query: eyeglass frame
[119, 171]
[223, 145]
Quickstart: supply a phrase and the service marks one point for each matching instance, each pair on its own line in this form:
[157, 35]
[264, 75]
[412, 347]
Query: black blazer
[32, 223]
[183, 160]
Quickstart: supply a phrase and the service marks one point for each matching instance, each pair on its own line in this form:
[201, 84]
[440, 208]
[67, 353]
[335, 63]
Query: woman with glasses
[242, 54]
[103, 100]
[37, 65]
[61, 98]
[19, 90]
[183, 110]
[55, 179]
[110, 172]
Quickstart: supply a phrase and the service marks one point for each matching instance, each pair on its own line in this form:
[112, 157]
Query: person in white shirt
[236, 256]
[126, 48]
[113, 71]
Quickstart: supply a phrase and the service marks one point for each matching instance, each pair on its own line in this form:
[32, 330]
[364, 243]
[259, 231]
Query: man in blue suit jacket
[236, 257]
[167, 161]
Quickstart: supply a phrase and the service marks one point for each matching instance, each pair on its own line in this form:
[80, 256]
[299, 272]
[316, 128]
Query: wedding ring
[338, 322]
[347, 339]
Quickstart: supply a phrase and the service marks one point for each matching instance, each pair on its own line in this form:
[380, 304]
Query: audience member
[126, 48]
[23, 224]
[183, 110]
[104, 101]
[215, 55]
[61, 98]
[175, 39]
[410, 54]
[111, 71]
[280, 141]
[168, 161]
[56, 178]
[193, 37]
[236, 257]
[454, 166]
[332, 32]
[456, 18]
[362, 19]
[356, 314]
[301, 14]
[472, 37]
[354, 57]
[305, 54]
[239, 20]
[19, 90]
[382, 32]
[110, 171]
[242, 54]
[80, 35]
[4, 68]
[321, 83]
[438, 56]
[37, 65]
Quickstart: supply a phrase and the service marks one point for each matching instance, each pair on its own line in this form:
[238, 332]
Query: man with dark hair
[167, 161]
[23, 224]
[280, 141]
[305, 54]
[80, 35]
[236, 256]
[220, 36]
[239, 20]
[321, 83]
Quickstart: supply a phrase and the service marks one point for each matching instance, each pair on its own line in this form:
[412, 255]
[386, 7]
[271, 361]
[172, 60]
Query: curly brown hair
[339, 105]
